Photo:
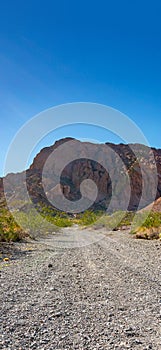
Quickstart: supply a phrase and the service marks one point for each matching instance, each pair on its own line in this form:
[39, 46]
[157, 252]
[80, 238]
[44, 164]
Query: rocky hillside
[121, 159]
[155, 206]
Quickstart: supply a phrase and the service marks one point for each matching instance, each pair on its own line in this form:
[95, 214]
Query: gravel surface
[65, 293]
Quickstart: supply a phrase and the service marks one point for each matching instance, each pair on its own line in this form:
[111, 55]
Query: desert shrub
[26, 223]
[148, 233]
[58, 218]
[114, 221]
[127, 219]
[62, 221]
[35, 225]
[148, 227]
[88, 217]
[147, 220]
[153, 220]
[137, 221]
[9, 229]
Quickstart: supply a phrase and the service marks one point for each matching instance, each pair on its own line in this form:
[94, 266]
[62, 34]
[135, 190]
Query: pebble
[103, 296]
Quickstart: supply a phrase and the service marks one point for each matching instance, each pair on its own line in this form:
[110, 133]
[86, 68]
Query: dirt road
[82, 290]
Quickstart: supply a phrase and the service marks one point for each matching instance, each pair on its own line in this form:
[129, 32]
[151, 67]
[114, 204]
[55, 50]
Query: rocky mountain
[153, 207]
[123, 175]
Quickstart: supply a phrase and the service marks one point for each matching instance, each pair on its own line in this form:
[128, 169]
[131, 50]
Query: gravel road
[80, 289]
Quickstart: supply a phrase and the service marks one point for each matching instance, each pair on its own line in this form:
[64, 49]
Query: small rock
[50, 265]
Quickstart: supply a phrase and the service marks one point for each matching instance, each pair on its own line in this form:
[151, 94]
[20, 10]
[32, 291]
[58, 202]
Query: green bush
[88, 217]
[142, 221]
[58, 218]
[34, 223]
[9, 229]
[114, 221]
[61, 222]
[136, 220]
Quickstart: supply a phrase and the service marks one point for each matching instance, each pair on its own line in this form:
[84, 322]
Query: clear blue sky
[54, 52]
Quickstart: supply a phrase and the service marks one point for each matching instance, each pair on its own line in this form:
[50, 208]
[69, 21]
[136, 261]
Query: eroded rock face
[112, 160]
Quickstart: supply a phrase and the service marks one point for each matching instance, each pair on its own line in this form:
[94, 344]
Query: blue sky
[55, 52]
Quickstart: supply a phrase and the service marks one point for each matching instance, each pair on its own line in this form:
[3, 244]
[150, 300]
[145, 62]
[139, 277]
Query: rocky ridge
[148, 161]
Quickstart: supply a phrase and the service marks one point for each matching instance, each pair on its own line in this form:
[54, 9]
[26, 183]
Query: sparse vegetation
[87, 218]
[9, 229]
[115, 221]
[58, 218]
[147, 227]
[50, 220]
[141, 224]
[152, 220]
[60, 221]
[34, 223]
